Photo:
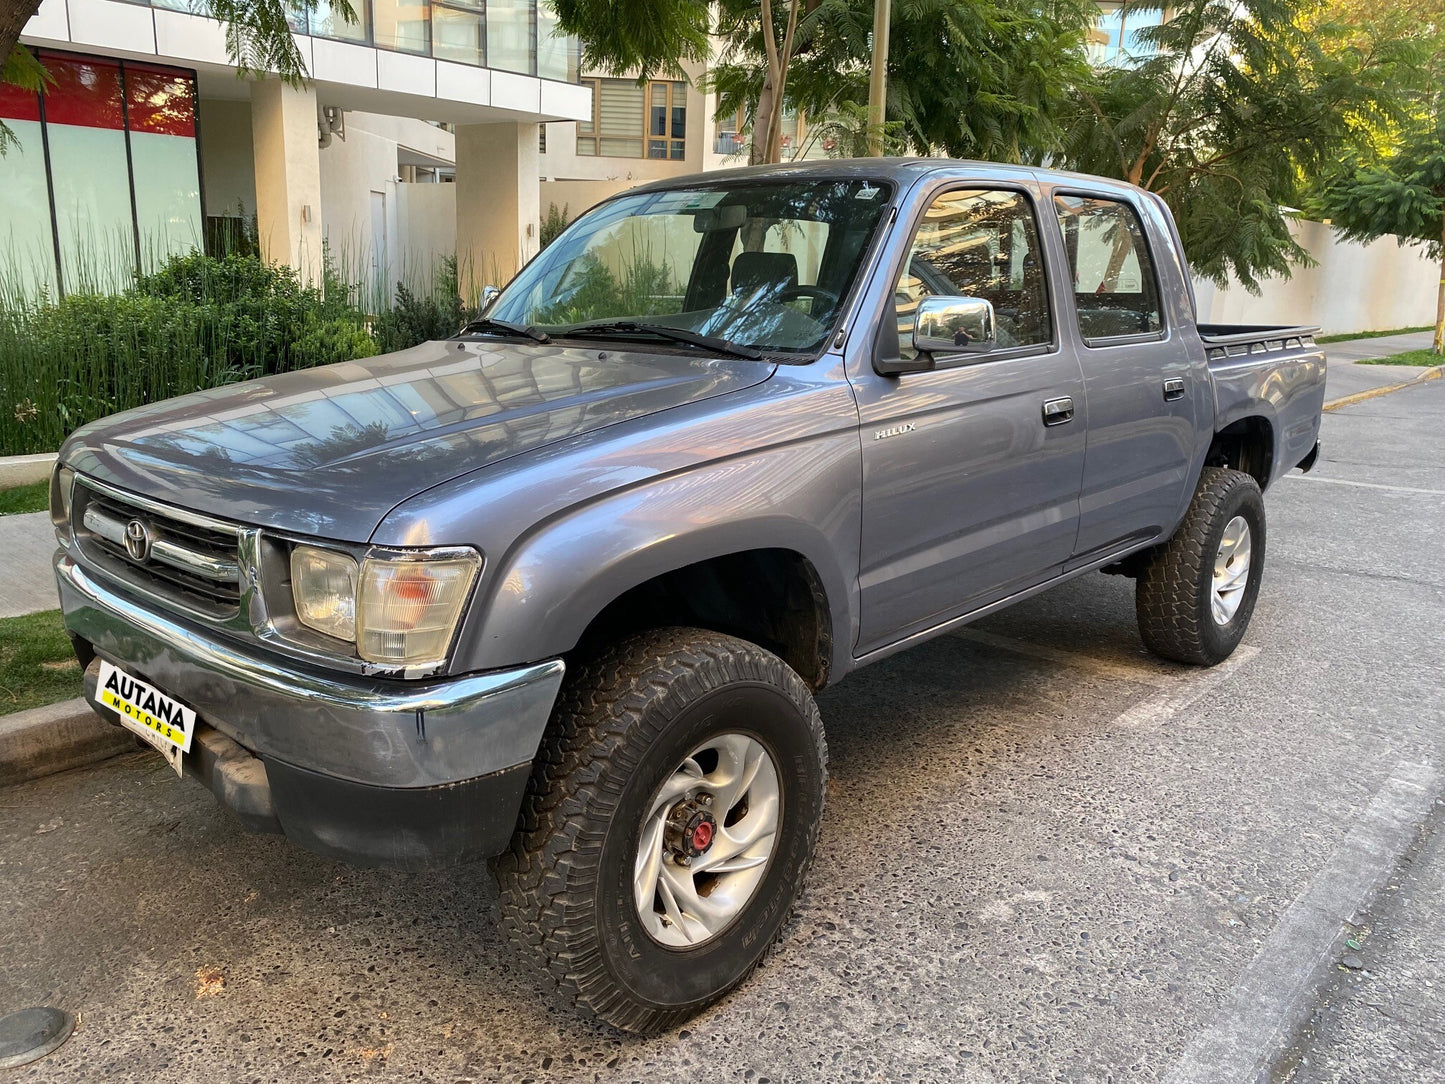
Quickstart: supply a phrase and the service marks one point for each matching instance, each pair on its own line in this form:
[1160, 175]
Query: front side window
[984, 244]
[761, 265]
[1115, 291]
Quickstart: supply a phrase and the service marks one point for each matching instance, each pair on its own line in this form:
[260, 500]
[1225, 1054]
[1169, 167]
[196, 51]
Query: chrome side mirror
[954, 325]
[489, 294]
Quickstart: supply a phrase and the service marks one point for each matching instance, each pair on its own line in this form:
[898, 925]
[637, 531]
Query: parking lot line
[1181, 690]
[1262, 1014]
[1366, 485]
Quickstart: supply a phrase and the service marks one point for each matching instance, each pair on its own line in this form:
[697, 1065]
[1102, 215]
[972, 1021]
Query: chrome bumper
[382, 733]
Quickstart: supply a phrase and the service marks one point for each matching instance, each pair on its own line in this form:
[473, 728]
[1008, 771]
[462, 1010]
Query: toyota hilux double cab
[559, 591]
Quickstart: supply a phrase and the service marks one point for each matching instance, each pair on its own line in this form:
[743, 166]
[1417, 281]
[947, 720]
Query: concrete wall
[426, 218]
[1355, 287]
[228, 171]
[355, 174]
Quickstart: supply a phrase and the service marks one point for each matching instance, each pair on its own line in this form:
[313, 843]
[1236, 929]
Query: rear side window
[1115, 291]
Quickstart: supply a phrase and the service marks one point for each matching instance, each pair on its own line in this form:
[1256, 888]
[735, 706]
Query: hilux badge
[137, 541]
[893, 431]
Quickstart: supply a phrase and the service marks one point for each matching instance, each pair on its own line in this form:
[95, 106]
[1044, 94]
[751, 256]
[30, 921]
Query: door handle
[1058, 411]
[1173, 389]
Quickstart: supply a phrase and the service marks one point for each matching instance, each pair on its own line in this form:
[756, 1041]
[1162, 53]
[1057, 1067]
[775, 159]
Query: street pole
[878, 78]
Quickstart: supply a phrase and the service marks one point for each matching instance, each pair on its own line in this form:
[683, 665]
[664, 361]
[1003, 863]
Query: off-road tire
[623, 721]
[1172, 597]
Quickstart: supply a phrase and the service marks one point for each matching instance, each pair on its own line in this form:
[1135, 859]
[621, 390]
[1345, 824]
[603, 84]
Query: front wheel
[668, 824]
[1195, 596]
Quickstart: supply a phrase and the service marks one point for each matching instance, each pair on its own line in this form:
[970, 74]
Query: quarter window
[1115, 291]
[983, 244]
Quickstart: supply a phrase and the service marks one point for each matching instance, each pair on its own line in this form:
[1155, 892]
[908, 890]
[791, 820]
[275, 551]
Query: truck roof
[902, 171]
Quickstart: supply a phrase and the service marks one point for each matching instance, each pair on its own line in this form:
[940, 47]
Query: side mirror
[954, 325]
[489, 294]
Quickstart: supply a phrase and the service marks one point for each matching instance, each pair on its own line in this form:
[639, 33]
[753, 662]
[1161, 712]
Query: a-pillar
[498, 211]
[288, 176]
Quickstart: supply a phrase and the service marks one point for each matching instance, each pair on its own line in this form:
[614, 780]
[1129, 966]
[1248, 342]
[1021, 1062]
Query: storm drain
[30, 1034]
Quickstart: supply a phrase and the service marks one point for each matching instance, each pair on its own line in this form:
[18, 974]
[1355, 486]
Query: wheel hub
[690, 829]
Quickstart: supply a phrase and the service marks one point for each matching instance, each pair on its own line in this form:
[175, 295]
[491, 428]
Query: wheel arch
[1246, 444]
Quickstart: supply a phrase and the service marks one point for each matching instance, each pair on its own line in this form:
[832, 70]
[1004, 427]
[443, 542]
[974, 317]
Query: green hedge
[198, 322]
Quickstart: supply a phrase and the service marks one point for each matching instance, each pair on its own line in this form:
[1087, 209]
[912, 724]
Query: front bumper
[373, 771]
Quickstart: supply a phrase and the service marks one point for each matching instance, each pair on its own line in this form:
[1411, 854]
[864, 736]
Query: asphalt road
[1047, 856]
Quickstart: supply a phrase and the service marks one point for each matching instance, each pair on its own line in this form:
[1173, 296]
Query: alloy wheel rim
[706, 840]
[1231, 570]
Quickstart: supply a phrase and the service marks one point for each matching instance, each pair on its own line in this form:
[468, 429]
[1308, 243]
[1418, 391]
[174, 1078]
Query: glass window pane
[1114, 288]
[161, 111]
[457, 35]
[978, 244]
[657, 110]
[404, 25]
[620, 117]
[556, 53]
[88, 172]
[509, 35]
[327, 23]
[27, 247]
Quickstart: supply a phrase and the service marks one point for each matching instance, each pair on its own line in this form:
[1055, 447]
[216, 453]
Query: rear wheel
[668, 824]
[1196, 595]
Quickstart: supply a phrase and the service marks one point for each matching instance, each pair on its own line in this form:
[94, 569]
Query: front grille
[191, 561]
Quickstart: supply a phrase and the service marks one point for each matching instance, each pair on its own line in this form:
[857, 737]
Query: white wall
[351, 171]
[1355, 287]
[427, 226]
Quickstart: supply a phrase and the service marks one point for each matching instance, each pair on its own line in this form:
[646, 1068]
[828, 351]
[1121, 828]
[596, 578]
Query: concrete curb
[1432, 373]
[56, 737]
[21, 470]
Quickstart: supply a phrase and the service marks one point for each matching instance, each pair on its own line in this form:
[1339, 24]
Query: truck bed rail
[1222, 341]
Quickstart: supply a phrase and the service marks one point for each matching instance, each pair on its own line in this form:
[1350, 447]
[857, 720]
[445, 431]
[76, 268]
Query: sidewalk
[27, 584]
[1346, 378]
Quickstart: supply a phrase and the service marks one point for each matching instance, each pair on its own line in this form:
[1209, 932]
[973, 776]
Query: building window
[510, 43]
[65, 220]
[541, 139]
[730, 138]
[457, 34]
[1115, 39]
[632, 121]
[667, 121]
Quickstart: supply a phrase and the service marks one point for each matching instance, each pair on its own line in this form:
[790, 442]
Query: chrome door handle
[1173, 389]
[1058, 411]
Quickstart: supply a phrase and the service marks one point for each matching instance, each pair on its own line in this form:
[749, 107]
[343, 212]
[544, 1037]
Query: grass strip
[1352, 335]
[37, 663]
[1422, 358]
[19, 499]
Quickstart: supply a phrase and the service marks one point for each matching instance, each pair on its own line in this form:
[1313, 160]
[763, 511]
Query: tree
[1403, 193]
[258, 40]
[1240, 103]
[974, 78]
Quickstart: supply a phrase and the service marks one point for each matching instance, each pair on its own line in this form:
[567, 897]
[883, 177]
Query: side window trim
[1032, 199]
[1104, 342]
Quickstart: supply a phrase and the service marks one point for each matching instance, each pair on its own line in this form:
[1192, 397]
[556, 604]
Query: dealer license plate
[156, 718]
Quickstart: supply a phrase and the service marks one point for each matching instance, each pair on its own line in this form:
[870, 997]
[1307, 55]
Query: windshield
[752, 264]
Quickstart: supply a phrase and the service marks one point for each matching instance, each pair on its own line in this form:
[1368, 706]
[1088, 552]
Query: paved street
[1047, 857]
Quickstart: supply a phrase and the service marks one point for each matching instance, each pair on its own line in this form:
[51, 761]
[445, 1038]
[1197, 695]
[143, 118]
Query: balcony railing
[506, 35]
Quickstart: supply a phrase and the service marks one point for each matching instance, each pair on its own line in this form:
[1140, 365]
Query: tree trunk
[14, 14]
[1440, 299]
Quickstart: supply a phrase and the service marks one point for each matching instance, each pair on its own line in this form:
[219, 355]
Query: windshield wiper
[663, 331]
[486, 323]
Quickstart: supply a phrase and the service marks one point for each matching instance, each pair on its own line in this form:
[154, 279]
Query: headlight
[409, 606]
[401, 610]
[323, 583]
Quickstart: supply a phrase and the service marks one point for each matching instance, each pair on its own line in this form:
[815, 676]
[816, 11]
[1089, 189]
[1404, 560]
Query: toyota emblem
[137, 541]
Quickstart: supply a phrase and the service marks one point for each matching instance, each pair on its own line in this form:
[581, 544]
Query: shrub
[553, 224]
[415, 318]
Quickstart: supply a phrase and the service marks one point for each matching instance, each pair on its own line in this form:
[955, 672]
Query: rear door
[1140, 378]
[970, 491]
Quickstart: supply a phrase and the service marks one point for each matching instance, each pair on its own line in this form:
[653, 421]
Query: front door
[970, 489]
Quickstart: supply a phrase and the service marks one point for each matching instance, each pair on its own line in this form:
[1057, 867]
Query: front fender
[556, 579]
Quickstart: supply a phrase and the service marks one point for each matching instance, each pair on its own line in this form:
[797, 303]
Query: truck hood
[329, 451]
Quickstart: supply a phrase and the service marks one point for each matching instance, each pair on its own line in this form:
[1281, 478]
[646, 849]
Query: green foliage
[18, 500]
[417, 318]
[198, 322]
[646, 37]
[553, 223]
[1410, 357]
[37, 663]
[974, 78]
[1240, 102]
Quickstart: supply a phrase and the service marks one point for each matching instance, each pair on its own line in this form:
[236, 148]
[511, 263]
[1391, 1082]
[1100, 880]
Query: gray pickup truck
[559, 591]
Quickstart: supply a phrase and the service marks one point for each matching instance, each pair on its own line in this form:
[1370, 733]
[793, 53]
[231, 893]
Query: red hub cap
[702, 837]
